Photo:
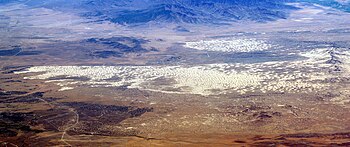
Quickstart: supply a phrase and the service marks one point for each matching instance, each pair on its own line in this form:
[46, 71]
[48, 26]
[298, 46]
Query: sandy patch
[230, 45]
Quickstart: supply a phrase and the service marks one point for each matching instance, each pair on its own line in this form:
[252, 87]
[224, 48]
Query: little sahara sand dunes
[196, 80]
[230, 45]
[212, 79]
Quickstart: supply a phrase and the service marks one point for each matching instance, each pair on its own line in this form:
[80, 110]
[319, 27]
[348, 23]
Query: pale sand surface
[307, 75]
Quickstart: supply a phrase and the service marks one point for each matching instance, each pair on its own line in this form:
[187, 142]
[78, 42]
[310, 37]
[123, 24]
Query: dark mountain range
[179, 11]
[190, 11]
[205, 12]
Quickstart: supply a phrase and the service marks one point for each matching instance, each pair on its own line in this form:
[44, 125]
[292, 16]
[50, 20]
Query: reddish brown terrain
[35, 113]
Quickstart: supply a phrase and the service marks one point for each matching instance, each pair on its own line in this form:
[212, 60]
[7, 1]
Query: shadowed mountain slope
[180, 11]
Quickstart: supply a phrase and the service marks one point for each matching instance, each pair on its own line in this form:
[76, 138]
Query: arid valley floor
[69, 81]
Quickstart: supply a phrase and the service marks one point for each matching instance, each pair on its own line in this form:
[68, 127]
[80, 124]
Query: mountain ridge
[180, 11]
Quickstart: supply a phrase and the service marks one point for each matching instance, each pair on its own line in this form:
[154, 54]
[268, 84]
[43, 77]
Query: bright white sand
[231, 45]
[211, 79]
[65, 88]
[196, 80]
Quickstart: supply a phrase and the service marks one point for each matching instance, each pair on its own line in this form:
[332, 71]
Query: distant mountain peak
[181, 11]
[194, 12]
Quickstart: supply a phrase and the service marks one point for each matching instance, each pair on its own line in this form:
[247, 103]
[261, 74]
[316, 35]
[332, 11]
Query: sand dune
[229, 45]
[211, 79]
